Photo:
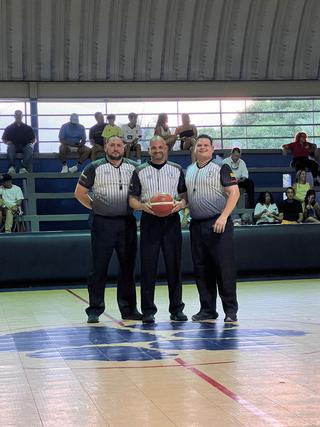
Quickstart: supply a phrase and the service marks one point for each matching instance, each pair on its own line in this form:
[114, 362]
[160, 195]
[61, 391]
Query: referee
[212, 194]
[113, 228]
[159, 176]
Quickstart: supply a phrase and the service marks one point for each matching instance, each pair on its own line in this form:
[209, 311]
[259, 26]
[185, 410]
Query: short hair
[111, 117]
[236, 150]
[156, 138]
[133, 115]
[111, 137]
[290, 188]
[98, 112]
[204, 135]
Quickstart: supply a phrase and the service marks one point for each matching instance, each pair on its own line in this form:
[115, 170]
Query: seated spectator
[187, 134]
[240, 171]
[301, 186]
[11, 198]
[131, 135]
[19, 138]
[111, 129]
[301, 149]
[311, 211]
[162, 129]
[266, 211]
[95, 136]
[290, 210]
[72, 138]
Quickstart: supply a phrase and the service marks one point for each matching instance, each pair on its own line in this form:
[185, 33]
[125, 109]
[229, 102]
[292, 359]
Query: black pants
[248, 185]
[109, 234]
[164, 233]
[300, 163]
[214, 264]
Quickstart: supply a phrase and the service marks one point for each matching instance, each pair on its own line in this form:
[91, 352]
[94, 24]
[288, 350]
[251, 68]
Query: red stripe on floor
[249, 406]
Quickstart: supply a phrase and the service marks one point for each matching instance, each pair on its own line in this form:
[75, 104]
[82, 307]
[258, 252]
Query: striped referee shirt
[150, 179]
[110, 186]
[206, 196]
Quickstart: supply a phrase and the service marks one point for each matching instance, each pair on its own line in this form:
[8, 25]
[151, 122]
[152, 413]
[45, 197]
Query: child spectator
[311, 212]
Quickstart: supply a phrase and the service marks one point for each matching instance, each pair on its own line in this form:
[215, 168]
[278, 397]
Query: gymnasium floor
[55, 370]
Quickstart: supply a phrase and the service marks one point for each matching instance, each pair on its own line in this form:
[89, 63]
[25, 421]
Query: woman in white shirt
[266, 211]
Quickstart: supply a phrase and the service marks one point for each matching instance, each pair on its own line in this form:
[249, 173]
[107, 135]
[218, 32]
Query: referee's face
[204, 149]
[158, 151]
[114, 148]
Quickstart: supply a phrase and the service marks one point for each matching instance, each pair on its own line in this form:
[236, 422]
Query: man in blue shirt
[72, 138]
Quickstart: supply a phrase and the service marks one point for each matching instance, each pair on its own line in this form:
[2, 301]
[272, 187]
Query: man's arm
[81, 193]
[135, 204]
[233, 195]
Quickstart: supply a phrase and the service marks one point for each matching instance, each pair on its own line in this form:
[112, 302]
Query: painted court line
[129, 367]
[105, 314]
[243, 402]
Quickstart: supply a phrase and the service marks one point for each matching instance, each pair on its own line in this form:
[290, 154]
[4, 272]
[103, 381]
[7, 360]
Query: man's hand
[220, 224]
[146, 207]
[178, 205]
[7, 142]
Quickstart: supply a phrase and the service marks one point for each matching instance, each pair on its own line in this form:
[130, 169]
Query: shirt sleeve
[299, 207]
[227, 177]
[90, 133]
[281, 208]
[19, 194]
[31, 134]
[83, 134]
[182, 183]
[244, 170]
[135, 185]
[62, 132]
[103, 134]
[258, 209]
[6, 134]
[87, 177]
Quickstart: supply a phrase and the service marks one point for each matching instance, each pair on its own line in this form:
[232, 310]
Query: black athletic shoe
[133, 316]
[179, 317]
[230, 318]
[149, 318]
[93, 318]
[203, 316]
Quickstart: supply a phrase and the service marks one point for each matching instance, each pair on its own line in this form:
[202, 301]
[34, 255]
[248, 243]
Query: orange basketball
[162, 204]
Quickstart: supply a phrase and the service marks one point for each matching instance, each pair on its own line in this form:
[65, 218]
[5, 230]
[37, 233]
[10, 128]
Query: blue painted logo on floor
[140, 342]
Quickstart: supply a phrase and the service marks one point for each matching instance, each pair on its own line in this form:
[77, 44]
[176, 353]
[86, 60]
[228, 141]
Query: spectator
[162, 129]
[290, 210]
[95, 136]
[131, 135]
[246, 219]
[301, 150]
[72, 138]
[111, 129]
[187, 134]
[19, 138]
[11, 198]
[301, 186]
[240, 171]
[311, 211]
[266, 211]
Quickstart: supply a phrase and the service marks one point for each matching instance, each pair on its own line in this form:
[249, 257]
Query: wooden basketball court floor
[56, 370]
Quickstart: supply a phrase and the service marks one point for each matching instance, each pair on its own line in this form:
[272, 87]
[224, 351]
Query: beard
[115, 156]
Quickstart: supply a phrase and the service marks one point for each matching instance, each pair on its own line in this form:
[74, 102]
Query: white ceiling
[159, 40]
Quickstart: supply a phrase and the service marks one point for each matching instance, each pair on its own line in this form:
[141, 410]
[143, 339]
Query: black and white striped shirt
[150, 179]
[206, 196]
[110, 186]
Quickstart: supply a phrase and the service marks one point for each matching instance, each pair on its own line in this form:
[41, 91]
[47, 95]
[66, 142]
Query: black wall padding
[58, 257]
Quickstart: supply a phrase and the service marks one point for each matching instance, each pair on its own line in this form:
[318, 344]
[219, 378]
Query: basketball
[162, 204]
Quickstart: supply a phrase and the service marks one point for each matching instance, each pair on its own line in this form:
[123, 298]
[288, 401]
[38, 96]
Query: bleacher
[50, 205]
